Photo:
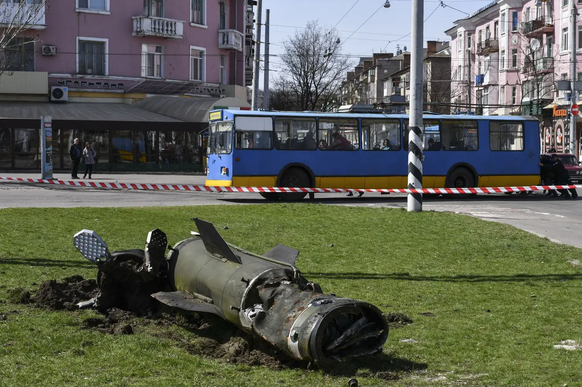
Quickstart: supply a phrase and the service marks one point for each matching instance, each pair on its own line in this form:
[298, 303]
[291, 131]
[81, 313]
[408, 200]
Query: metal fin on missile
[213, 242]
[156, 243]
[283, 253]
[186, 301]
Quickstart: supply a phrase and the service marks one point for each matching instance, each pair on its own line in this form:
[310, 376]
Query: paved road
[558, 219]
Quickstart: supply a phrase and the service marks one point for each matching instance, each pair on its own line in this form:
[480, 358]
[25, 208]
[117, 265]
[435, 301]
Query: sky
[364, 26]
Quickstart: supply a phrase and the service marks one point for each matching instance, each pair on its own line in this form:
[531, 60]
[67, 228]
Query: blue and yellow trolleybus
[345, 150]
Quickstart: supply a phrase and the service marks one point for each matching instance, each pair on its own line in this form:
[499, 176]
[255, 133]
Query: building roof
[80, 112]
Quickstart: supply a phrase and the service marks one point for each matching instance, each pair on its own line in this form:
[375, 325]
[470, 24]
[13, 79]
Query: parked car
[572, 165]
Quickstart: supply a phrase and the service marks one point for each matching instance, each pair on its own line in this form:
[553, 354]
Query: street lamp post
[414, 202]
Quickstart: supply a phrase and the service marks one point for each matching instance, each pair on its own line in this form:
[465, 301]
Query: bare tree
[314, 67]
[16, 18]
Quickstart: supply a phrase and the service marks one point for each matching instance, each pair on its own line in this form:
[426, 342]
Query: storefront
[126, 137]
[555, 137]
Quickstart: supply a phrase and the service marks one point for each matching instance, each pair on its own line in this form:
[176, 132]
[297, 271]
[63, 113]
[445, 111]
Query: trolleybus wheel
[460, 178]
[294, 177]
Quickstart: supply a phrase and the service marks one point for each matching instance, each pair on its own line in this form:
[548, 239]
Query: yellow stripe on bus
[377, 182]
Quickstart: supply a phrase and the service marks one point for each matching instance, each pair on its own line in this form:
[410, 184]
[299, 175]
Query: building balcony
[231, 40]
[29, 15]
[537, 27]
[488, 46]
[538, 66]
[158, 26]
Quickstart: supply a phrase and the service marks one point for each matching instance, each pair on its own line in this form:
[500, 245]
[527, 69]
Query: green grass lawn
[487, 301]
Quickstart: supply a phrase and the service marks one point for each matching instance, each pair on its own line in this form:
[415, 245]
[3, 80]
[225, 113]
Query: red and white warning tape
[204, 188]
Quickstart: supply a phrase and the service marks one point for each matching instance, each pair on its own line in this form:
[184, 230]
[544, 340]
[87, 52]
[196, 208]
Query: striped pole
[415, 127]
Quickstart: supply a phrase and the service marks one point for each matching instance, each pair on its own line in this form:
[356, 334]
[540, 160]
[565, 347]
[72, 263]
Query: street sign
[574, 109]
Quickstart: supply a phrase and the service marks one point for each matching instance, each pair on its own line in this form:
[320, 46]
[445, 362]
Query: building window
[495, 29]
[222, 20]
[514, 58]
[460, 73]
[19, 55]
[469, 38]
[223, 79]
[579, 37]
[513, 95]
[197, 63]
[564, 3]
[502, 95]
[549, 45]
[526, 14]
[198, 12]
[92, 56]
[564, 39]
[93, 5]
[487, 33]
[502, 60]
[514, 21]
[153, 8]
[503, 23]
[151, 61]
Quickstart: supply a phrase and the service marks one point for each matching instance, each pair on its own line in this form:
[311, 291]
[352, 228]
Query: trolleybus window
[431, 129]
[459, 135]
[220, 140]
[380, 134]
[295, 133]
[338, 134]
[506, 136]
[253, 132]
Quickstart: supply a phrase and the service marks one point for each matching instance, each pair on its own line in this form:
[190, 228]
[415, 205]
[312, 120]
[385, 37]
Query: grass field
[487, 302]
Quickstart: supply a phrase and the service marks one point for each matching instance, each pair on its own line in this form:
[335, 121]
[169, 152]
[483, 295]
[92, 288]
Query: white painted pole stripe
[204, 188]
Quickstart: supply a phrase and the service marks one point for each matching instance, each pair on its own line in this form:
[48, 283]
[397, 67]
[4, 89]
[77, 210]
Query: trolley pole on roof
[415, 127]
[257, 62]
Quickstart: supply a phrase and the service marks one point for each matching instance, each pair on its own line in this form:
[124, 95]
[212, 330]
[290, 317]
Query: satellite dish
[535, 44]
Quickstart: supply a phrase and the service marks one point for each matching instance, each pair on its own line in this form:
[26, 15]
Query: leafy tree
[313, 70]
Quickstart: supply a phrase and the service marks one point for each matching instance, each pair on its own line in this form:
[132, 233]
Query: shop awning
[80, 112]
[550, 106]
[190, 109]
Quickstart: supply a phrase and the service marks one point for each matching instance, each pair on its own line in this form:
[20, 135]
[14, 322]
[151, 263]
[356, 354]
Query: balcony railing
[488, 46]
[539, 65]
[29, 15]
[230, 40]
[537, 27]
[158, 26]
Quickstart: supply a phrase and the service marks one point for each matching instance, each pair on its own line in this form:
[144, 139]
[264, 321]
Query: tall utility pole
[266, 92]
[468, 51]
[415, 129]
[256, 67]
[573, 96]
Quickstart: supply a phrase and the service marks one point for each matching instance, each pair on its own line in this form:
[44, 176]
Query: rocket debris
[264, 295]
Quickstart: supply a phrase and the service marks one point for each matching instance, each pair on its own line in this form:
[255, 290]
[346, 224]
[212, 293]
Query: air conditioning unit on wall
[59, 94]
[49, 50]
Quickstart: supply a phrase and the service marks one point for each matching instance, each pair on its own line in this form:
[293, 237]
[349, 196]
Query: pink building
[76, 53]
[509, 58]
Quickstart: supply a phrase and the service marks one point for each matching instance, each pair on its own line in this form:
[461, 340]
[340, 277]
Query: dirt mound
[116, 322]
[66, 294]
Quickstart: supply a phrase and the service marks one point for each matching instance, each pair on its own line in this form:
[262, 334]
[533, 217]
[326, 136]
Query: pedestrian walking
[89, 155]
[546, 174]
[561, 177]
[75, 152]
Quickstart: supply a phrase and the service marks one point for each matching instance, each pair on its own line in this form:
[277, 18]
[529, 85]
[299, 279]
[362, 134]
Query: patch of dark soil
[3, 317]
[116, 322]
[66, 294]
[397, 320]
[19, 296]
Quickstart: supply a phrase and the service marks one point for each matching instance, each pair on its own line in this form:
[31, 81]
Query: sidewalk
[142, 178]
